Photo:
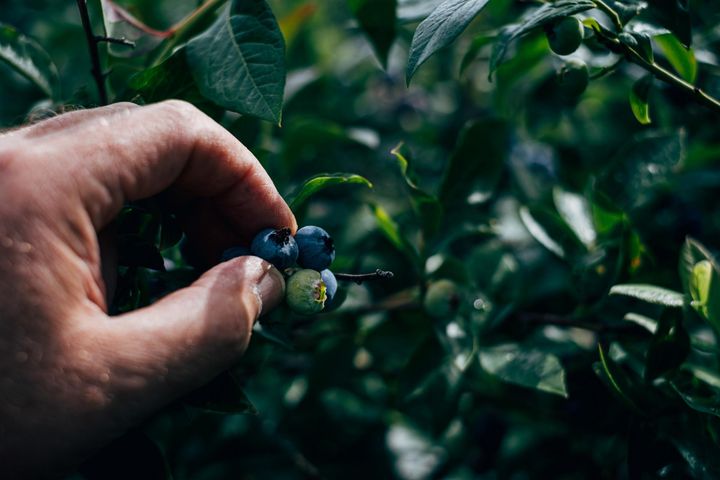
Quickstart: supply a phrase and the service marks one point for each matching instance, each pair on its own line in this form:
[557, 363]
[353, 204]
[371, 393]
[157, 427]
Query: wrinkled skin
[72, 377]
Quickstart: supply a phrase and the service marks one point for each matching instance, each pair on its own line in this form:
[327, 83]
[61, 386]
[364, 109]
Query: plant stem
[664, 75]
[659, 72]
[614, 16]
[363, 277]
[119, 41]
[92, 42]
[178, 30]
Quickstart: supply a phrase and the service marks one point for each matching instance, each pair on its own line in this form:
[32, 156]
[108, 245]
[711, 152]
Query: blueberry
[317, 250]
[275, 246]
[330, 285]
[233, 252]
[306, 292]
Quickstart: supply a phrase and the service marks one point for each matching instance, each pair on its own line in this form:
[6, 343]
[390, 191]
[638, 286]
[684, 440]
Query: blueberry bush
[538, 175]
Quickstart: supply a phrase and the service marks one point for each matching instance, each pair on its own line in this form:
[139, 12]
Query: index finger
[134, 153]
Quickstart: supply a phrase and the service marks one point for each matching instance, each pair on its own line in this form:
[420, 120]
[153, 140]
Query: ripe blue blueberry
[305, 292]
[233, 252]
[331, 285]
[316, 247]
[275, 246]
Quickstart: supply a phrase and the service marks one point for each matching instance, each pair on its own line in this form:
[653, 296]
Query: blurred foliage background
[532, 204]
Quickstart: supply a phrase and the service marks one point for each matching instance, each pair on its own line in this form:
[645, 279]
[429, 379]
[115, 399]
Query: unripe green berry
[442, 298]
[305, 292]
[573, 78]
[565, 35]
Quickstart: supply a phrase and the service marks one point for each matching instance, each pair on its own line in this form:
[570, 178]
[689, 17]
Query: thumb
[157, 353]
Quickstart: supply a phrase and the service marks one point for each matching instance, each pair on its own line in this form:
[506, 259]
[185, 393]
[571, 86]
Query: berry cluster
[312, 287]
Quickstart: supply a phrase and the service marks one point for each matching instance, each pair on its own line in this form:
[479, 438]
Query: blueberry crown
[281, 236]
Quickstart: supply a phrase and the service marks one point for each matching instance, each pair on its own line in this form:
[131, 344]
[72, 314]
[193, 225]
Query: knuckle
[181, 109]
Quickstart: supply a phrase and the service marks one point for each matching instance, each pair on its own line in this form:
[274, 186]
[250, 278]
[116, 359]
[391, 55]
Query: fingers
[157, 353]
[133, 153]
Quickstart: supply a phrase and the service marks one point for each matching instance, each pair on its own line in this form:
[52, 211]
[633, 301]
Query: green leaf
[391, 231]
[575, 210]
[539, 233]
[223, 394]
[377, 19]
[682, 59]
[318, 182]
[426, 206]
[701, 281]
[640, 167]
[669, 346]
[615, 377]
[650, 294]
[639, 94]
[440, 29]
[545, 14]
[528, 368]
[476, 163]
[239, 62]
[170, 79]
[29, 59]
[644, 46]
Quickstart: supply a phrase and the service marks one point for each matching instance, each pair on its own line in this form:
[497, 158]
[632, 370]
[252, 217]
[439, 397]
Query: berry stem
[363, 277]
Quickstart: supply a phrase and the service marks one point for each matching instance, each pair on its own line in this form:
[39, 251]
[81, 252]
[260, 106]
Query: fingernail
[270, 289]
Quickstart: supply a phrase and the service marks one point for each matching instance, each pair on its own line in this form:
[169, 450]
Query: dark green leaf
[426, 205]
[575, 211]
[170, 231]
[314, 184]
[440, 29]
[172, 79]
[28, 58]
[682, 59]
[640, 167]
[529, 368]
[639, 94]
[616, 378]
[644, 46]
[223, 394]
[537, 18]
[476, 163]
[650, 294]
[669, 347]
[239, 62]
[391, 231]
[377, 19]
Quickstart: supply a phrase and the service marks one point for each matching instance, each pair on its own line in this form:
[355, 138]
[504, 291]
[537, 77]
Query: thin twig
[119, 41]
[363, 277]
[92, 43]
[614, 16]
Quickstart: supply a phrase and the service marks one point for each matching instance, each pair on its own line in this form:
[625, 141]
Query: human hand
[73, 378]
